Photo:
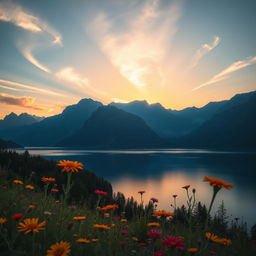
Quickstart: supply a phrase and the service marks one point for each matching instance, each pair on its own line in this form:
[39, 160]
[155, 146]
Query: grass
[125, 236]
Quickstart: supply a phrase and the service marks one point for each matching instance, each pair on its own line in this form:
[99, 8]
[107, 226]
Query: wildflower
[154, 200]
[153, 224]
[57, 201]
[141, 244]
[123, 220]
[17, 216]
[47, 213]
[45, 179]
[186, 187]
[214, 182]
[113, 225]
[159, 253]
[100, 192]
[154, 233]
[216, 239]
[2, 220]
[83, 241]
[59, 249]
[98, 226]
[30, 225]
[124, 232]
[141, 192]
[54, 190]
[163, 213]
[106, 214]
[31, 207]
[18, 182]
[174, 242]
[79, 218]
[30, 187]
[174, 196]
[109, 207]
[136, 239]
[70, 166]
[192, 250]
[94, 240]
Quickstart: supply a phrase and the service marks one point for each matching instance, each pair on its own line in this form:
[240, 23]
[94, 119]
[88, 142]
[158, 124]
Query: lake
[162, 173]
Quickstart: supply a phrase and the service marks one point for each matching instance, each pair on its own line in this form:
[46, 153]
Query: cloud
[203, 50]
[25, 102]
[116, 100]
[32, 88]
[229, 70]
[9, 88]
[138, 52]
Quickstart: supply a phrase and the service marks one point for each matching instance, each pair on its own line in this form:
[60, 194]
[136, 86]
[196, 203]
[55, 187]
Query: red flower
[100, 192]
[154, 233]
[174, 242]
[17, 216]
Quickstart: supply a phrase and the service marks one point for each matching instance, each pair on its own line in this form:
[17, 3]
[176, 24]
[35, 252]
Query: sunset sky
[178, 53]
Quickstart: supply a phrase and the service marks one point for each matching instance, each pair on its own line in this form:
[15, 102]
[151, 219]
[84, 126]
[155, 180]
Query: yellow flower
[30, 225]
[192, 250]
[153, 224]
[70, 166]
[109, 207]
[214, 182]
[18, 182]
[31, 207]
[217, 239]
[59, 249]
[79, 218]
[3, 220]
[98, 226]
[30, 187]
[45, 179]
[163, 213]
[83, 241]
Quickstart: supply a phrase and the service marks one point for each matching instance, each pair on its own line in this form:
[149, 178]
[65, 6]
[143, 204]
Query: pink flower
[154, 200]
[154, 233]
[174, 242]
[123, 232]
[100, 192]
[158, 253]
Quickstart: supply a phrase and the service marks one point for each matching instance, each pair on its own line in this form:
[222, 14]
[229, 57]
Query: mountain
[109, 128]
[13, 121]
[163, 121]
[55, 128]
[8, 144]
[233, 126]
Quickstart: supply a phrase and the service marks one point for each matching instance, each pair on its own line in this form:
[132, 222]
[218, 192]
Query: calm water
[162, 173]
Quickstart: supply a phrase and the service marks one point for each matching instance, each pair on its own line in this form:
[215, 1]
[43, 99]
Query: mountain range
[90, 124]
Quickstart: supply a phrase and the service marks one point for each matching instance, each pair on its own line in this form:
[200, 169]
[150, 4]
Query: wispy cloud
[25, 102]
[203, 50]
[139, 51]
[32, 88]
[229, 70]
[116, 100]
[8, 88]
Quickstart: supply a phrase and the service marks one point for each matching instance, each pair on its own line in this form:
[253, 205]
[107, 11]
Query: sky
[179, 53]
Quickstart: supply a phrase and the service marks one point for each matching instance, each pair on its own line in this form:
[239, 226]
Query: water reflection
[162, 173]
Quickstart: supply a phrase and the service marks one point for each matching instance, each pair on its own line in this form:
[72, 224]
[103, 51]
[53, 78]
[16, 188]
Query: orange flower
[106, 214]
[30, 225]
[109, 207]
[186, 187]
[59, 249]
[70, 166]
[192, 250]
[31, 207]
[163, 213]
[123, 220]
[83, 241]
[217, 239]
[98, 226]
[214, 182]
[79, 218]
[30, 187]
[153, 224]
[45, 179]
[134, 238]
[94, 240]
[18, 182]
[3, 220]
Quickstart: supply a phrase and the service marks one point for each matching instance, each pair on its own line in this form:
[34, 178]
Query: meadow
[43, 216]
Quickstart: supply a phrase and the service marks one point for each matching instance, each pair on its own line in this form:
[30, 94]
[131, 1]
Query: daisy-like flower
[124, 232]
[109, 207]
[154, 200]
[99, 226]
[100, 192]
[70, 166]
[54, 190]
[79, 218]
[154, 233]
[94, 240]
[30, 187]
[214, 182]
[216, 239]
[2, 220]
[141, 192]
[31, 225]
[49, 179]
[153, 224]
[83, 241]
[163, 213]
[192, 250]
[59, 249]
[31, 207]
[18, 182]
[174, 242]
[123, 220]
